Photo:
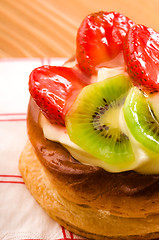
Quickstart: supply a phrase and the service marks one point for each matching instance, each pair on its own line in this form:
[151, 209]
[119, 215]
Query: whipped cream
[145, 162]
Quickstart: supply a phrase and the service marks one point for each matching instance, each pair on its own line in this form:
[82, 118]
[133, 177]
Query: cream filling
[145, 162]
[104, 73]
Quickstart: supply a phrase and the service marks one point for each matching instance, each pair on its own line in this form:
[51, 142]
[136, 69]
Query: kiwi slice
[93, 121]
[141, 120]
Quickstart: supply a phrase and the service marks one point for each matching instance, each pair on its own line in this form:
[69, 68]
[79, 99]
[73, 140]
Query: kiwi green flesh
[90, 127]
[141, 120]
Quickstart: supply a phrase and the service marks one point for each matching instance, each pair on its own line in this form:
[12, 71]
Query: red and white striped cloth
[21, 218]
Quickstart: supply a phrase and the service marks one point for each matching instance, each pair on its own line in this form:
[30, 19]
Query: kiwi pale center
[107, 115]
[111, 117]
[106, 120]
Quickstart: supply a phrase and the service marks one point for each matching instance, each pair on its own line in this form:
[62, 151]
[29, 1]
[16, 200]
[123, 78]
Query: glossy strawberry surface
[100, 39]
[141, 53]
[54, 89]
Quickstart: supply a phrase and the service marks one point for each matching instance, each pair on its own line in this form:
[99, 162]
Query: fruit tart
[92, 158]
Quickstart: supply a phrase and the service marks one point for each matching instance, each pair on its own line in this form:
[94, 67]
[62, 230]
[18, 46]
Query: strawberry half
[54, 89]
[100, 38]
[141, 53]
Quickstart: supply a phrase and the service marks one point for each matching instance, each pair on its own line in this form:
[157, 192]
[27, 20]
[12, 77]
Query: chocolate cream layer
[126, 194]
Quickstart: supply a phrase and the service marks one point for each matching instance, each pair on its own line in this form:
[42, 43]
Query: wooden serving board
[47, 28]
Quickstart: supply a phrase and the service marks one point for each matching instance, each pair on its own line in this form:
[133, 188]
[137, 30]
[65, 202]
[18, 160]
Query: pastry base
[81, 219]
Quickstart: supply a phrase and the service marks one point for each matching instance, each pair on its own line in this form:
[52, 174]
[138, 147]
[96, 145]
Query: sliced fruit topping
[93, 121]
[141, 121]
[141, 53]
[100, 38]
[54, 89]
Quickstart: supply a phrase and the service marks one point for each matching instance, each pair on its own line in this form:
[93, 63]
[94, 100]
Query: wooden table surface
[47, 28]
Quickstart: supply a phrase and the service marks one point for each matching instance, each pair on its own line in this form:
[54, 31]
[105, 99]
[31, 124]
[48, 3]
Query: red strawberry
[141, 53]
[54, 89]
[100, 38]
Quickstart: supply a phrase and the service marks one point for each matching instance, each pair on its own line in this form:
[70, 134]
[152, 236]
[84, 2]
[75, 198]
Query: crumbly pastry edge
[79, 219]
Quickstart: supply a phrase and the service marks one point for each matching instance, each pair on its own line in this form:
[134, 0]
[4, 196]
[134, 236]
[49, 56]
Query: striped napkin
[21, 218]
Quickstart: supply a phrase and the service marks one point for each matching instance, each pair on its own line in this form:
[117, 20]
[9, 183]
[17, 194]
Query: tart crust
[84, 220]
